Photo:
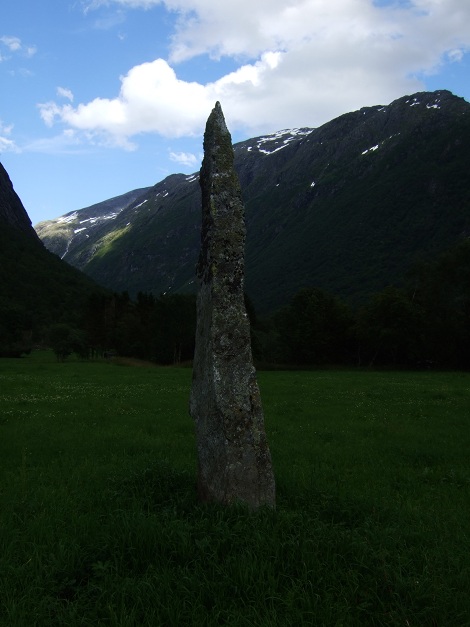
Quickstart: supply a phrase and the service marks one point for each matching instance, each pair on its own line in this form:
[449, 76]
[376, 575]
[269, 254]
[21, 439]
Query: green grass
[100, 525]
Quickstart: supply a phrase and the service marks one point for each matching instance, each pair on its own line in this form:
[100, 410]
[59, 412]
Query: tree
[442, 289]
[60, 340]
[316, 328]
[15, 330]
[390, 329]
[94, 322]
[173, 328]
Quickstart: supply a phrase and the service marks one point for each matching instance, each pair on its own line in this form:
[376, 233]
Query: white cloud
[110, 21]
[131, 4]
[67, 142]
[455, 55]
[152, 99]
[49, 111]
[244, 27]
[30, 51]
[186, 159]
[5, 130]
[64, 92]
[14, 44]
[304, 62]
[7, 144]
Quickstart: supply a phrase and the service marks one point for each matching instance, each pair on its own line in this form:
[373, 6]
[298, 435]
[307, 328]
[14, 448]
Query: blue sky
[99, 97]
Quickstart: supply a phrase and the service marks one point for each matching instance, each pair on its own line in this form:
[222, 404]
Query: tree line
[423, 323]
[159, 329]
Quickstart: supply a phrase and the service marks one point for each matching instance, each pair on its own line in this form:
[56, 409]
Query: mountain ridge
[96, 214]
[347, 206]
[12, 211]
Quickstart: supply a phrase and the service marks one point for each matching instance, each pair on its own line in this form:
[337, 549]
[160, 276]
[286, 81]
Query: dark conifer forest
[423, 324]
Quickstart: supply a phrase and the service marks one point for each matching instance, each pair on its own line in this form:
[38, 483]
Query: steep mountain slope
[62, 235]
[348, 207]
[12, 212]
[36, 287]
[361, 199]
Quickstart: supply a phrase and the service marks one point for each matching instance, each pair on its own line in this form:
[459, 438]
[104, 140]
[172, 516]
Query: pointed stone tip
[217, 110]
[217, 117]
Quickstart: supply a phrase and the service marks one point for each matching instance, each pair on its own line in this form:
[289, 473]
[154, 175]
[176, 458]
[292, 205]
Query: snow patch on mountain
[71, 217]
[94, 220]
[141, 203]
[434, 105]
[269, 144]
[370, 149]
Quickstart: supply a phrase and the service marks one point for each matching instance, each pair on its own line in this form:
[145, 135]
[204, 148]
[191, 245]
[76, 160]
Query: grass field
[99, 522]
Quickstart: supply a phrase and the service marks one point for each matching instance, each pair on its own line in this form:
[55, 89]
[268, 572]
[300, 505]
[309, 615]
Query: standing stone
[234, 462]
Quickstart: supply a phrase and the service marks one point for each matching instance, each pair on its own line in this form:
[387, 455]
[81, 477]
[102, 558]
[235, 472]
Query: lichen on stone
[234, 461]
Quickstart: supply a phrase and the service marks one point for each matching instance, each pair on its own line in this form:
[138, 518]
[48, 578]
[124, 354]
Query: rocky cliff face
[11, 208]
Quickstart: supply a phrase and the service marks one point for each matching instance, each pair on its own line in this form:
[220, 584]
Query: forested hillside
[348, 207]
[37, 289]
[358, 251]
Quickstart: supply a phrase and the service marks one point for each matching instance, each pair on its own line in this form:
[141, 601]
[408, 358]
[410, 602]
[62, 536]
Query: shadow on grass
[157, 556]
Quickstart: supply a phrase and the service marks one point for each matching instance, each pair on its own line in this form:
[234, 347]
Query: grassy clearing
[99, 524]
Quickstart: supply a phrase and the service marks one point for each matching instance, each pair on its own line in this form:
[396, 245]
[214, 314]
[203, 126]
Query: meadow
[100, 524]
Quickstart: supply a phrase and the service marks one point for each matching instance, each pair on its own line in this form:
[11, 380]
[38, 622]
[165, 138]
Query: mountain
[12, 212]
[347, 207]
[36, 287]
[67, 232]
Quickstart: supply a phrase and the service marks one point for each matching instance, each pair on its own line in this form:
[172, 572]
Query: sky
[100, 97]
